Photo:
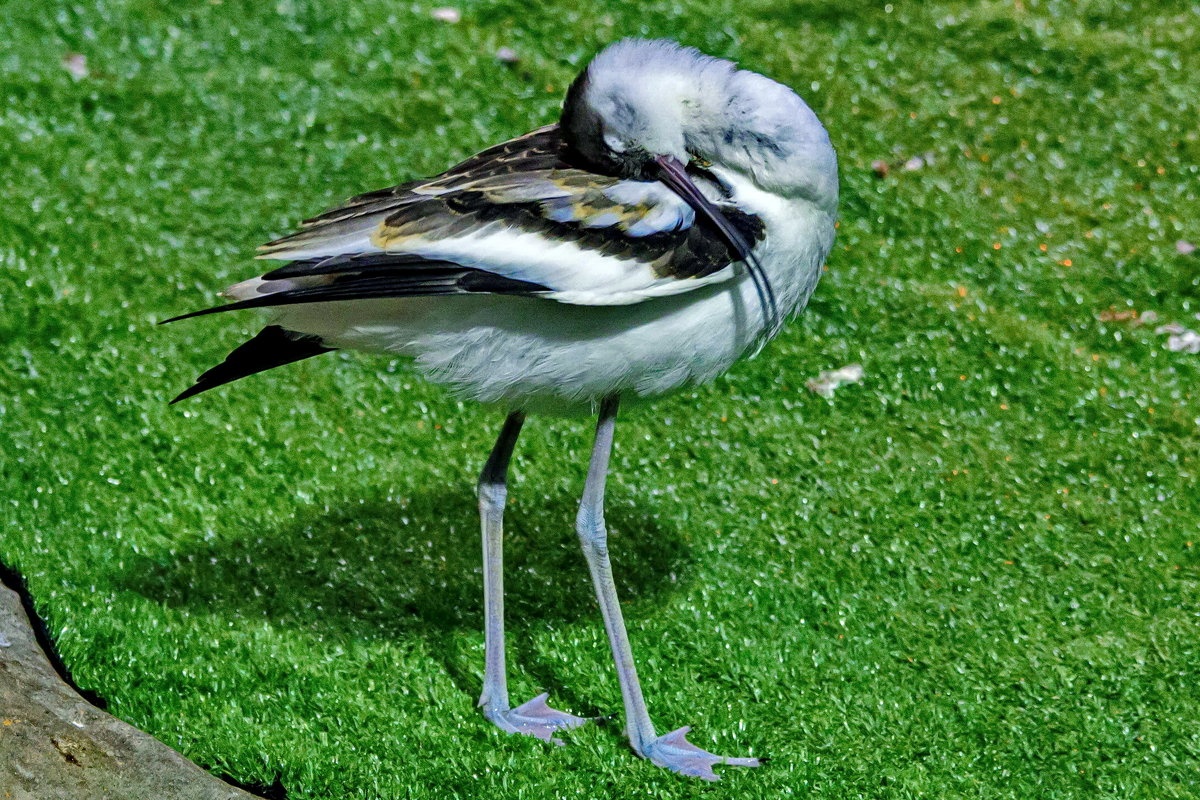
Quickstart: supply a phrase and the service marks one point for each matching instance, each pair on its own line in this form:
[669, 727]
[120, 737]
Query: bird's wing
[518, 217]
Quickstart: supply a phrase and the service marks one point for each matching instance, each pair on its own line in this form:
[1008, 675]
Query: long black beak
[673, 175]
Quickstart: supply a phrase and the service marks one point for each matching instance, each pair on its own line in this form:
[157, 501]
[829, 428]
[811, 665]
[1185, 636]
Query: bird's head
[650, 108]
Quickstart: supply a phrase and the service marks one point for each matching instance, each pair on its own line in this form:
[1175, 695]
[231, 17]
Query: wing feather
[374, 281]
[522, 211]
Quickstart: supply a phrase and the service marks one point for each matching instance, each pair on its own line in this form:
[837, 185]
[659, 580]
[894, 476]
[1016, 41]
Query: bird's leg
[671, 750]
[534, 718]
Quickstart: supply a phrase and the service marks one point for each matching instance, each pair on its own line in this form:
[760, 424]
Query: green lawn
[973, 575]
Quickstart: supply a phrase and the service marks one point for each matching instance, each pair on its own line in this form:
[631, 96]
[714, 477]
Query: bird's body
[676, 215]
[556, 357]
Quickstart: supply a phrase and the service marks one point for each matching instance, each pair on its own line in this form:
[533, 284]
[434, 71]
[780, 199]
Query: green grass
[972, 575]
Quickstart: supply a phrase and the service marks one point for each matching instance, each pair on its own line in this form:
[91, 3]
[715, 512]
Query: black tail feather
[272, 347]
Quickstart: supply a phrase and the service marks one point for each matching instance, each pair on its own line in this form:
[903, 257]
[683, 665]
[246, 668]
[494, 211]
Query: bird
[667, 225]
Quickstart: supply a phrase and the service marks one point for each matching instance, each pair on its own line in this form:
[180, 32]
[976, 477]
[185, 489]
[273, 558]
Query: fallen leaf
[76, 64]
[920, 161]
[447, 14]
[507, 55]
[1170, 327]
[881, 168]
[1113, 315]
[1184, 247]
[1186, 342]
[828, 381]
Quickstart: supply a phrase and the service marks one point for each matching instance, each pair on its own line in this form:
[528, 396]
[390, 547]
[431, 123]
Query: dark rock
[55, 745]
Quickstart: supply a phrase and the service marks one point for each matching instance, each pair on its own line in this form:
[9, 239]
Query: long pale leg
[671, 750]
[534, 718]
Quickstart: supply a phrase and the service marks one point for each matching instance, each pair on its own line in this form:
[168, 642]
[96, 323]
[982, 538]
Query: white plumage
[679, 211]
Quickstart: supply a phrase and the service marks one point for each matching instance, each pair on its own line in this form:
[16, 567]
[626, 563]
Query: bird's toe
[673, 751]
[535, 718]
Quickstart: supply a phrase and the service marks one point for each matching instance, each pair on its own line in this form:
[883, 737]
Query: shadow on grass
[391, 569]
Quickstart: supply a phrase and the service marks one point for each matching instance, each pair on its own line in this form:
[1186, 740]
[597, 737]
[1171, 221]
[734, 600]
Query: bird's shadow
[412, 567]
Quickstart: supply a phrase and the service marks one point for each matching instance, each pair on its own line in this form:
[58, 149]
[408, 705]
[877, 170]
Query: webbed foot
[535, 718]
[673, 751]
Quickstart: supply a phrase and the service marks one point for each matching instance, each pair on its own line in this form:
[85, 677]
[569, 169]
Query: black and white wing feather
[518, 218]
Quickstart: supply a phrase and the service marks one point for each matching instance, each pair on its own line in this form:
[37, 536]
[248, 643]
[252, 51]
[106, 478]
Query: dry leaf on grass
[918, 162]
[1180, 339]
[829, 380]
[882, 168]
[1113, 315]
[1170, 327]
[76, 64]
[1186, 342]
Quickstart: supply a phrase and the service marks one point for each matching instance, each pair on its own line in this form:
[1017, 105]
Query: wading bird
[676, 215]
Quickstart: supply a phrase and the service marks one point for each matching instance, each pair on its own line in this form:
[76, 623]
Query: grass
[973, 575]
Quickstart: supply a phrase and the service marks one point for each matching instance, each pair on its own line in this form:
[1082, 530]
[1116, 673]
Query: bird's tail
[272, 347]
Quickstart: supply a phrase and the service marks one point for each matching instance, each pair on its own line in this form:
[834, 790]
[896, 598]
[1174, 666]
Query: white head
[641, 101]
